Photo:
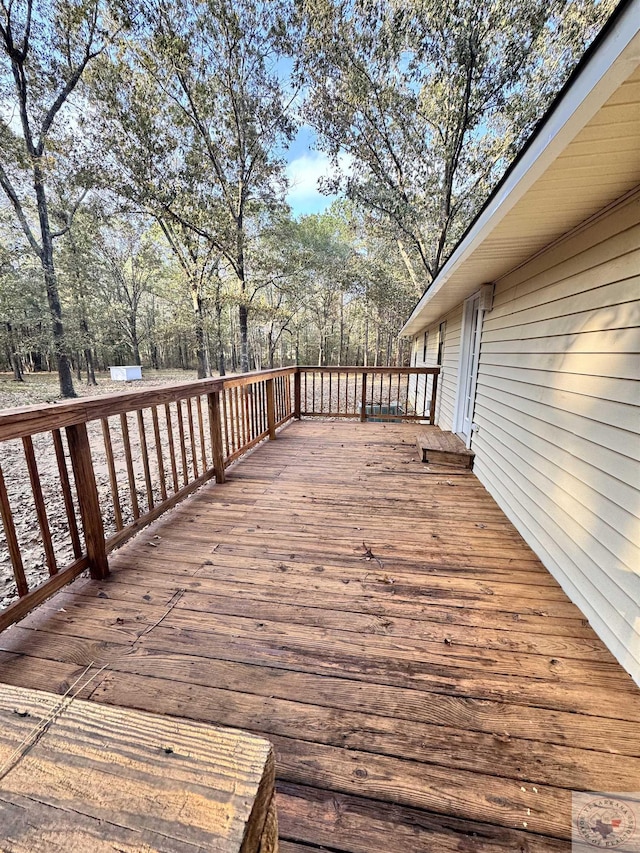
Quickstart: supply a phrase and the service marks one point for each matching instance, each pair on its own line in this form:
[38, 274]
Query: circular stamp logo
[606, 823]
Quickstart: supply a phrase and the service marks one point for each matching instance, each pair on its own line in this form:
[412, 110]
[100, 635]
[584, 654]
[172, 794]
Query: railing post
[215, 425]
[363, 404]
[87, 491]
[297, 381]
[432, 404]
[271, 410]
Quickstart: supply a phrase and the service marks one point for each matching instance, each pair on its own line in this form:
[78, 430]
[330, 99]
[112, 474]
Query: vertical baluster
[262, 407]
[12, 539]
[250, 396]
[432, 405]
[129, 460]
[254, 408]
[306, 398]
[228, 450]
[265, 417]
[338, 392]
[271, 410]
[245, 414]
[238, 420]
[215, 427]
[235, 417]
[278, 385]
[263, 404]
[406, 391]
[250, 400]
[183, 447]
[313, 392]
[363, 407]
[330, 391]
[87, 492]
[172, 447]
[38, 498]
[192, 441]
[111, 465]
[66, 493]
[145, 458]
[156, 435]
[203, 448]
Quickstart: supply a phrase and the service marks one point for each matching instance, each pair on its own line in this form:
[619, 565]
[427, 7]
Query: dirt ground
[41, 389]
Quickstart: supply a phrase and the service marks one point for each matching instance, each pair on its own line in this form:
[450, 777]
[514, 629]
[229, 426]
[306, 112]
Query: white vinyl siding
[558, 415]
[448, 379]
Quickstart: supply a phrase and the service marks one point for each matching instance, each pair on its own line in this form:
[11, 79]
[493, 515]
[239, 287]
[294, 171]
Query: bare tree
[44, 51]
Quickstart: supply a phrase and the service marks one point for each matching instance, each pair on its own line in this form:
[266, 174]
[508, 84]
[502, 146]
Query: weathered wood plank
[378, 642]
[408, 713]
[526, 760]
[358, 825]
[302, 608]
[180, 786]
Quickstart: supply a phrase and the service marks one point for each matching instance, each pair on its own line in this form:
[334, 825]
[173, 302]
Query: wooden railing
[369, 393]
[93, 472]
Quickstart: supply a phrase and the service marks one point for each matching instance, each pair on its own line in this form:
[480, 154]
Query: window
[424, 347]
[441, 332]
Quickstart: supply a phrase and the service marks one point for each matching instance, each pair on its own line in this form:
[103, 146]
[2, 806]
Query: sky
[305, 165]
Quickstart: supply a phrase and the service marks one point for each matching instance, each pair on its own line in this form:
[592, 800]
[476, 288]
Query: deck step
[443, 448]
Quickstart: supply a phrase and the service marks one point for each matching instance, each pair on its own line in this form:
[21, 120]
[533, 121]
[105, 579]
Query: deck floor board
[426, 683]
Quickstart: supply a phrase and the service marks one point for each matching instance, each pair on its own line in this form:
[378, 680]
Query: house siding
[448, 379]
[557, 414]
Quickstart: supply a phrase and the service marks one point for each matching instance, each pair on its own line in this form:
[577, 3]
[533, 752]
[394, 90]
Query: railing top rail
[402, 371]
[30, 420]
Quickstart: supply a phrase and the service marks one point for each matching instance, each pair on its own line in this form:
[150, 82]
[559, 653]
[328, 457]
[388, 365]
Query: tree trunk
[51, 286]
[201, 349]
[244, 344]
[14, 357]
[341, 345]
[220, 342]
[91, 373]
[243, 312]
[365, 355]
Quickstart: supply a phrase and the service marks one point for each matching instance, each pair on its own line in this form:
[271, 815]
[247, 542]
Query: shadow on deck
[425, 682]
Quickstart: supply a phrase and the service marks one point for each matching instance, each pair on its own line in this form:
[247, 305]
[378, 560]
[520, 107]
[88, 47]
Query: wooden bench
[77, 777]
[443, 448]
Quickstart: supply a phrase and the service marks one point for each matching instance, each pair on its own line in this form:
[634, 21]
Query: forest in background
[143, 214]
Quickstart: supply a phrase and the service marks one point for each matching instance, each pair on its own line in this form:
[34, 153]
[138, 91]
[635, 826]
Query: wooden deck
[425, 682]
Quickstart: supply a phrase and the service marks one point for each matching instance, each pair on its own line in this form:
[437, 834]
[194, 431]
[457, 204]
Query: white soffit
[585, 156]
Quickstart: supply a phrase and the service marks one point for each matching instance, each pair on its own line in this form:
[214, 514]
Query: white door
[469, 357]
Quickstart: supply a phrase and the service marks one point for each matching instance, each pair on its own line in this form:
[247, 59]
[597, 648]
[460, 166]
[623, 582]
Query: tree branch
[11, 194]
